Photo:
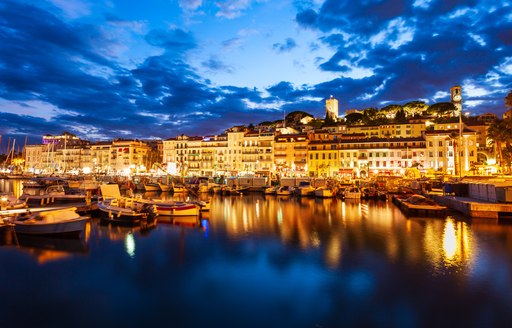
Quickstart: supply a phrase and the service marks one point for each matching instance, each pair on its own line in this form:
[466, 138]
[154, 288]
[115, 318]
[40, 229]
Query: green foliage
[508, 100]
[354, 119]
[400, 116]
[296, 116]
[442, 109]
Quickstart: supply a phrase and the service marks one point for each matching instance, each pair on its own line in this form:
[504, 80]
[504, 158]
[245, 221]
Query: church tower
[456, 98]
[331, 108]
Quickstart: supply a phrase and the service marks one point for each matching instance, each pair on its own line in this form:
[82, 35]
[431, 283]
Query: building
[331, 108]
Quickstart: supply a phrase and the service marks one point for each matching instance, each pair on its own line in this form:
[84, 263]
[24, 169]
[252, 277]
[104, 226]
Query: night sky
[159, 68]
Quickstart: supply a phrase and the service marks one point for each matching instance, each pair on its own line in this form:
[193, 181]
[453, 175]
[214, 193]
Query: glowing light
[450, 240]
[129, 244]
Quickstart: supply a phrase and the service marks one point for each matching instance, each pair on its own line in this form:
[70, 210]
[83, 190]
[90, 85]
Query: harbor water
[264, 261]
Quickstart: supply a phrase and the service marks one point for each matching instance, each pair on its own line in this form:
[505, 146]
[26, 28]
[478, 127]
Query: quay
[475, 208]
[422, 209]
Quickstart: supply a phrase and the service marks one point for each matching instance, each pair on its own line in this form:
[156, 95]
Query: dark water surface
[264, 261]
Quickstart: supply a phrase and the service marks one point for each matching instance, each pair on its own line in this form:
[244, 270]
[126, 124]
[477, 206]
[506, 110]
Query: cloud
[287, 46]
[231, 9]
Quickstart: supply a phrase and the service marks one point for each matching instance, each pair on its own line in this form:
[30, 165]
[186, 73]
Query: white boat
[123, 210]
[126, 211]
[171, 208]
[284, 191]
[270, 190]
[324, 192]
[352, 193]
[9, 202]
[51, 222]
[305, 189]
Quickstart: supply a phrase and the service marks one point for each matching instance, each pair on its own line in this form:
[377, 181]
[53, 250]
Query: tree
[442, 109]
[508, 100]
[329, 120]
[400, 116]
[354, 118]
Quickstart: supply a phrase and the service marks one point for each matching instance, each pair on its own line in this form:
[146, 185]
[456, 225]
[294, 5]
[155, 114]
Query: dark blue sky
[155, 69]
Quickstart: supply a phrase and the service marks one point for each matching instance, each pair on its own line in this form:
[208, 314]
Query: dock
[422, 210]
[475, 208]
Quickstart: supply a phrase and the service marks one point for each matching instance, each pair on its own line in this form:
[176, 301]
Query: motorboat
[50, 222]
[284, 191]
[126, 211]
[352, 193]
[305, 189]
[172, 208]
[120, 210]
[9, 202]
[270, 190]
[324, 192]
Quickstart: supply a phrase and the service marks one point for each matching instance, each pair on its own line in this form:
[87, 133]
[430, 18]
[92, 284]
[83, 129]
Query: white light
[129, 244]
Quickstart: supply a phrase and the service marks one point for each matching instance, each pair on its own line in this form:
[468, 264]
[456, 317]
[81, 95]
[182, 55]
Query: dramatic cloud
[108, 69]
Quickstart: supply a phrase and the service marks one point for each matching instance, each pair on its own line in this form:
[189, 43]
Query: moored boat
[51, 222]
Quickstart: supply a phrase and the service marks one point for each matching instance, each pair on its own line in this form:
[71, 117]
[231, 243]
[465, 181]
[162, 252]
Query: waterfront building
[234, 156]
[258, 153]
[214, 155]
[100, 156]
[34, 158]
[129, 156]
[191, 164]
[442, 148]
[73, 159]
[290, 154]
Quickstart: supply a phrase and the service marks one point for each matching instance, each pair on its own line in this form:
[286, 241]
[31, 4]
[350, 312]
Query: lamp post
[461, 148]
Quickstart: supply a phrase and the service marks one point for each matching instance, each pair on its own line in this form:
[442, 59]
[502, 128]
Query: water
[263, 261]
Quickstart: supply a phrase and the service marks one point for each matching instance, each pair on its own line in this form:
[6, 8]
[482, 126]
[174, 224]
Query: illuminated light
[450, 240]
[129, 244]
[491, 161]
[86, 170]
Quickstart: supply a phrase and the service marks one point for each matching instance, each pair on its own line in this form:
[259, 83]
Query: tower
[331, 108]
[456, 98]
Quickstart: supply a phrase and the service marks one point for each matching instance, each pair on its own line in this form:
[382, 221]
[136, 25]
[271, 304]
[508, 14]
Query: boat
[178, 188]
[164, 187]
[270, 190]
[352, 193]
[172, 208]
[52, 222]
[151, 186]
[126, 211]
[123, 210]
[9, 202]
[204, 205]
[284, 191]
[53, 194]
[305, 189]
[324, 192]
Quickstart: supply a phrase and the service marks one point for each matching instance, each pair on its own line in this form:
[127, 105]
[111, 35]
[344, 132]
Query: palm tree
[500, 135]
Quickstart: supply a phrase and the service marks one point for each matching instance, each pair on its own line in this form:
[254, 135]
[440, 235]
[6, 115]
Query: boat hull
[74, 226]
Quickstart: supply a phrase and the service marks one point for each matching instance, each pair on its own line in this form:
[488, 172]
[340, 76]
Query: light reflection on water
[258, 260]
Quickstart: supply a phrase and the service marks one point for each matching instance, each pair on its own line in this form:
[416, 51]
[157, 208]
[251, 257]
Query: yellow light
[450, 240]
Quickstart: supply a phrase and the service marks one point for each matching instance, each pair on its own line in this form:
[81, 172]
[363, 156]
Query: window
[440, 143]
[430, 144]
[440, 154]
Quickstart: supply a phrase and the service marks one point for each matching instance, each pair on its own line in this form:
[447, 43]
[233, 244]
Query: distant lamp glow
[129, 244]
[491, 161]
[86, 170]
